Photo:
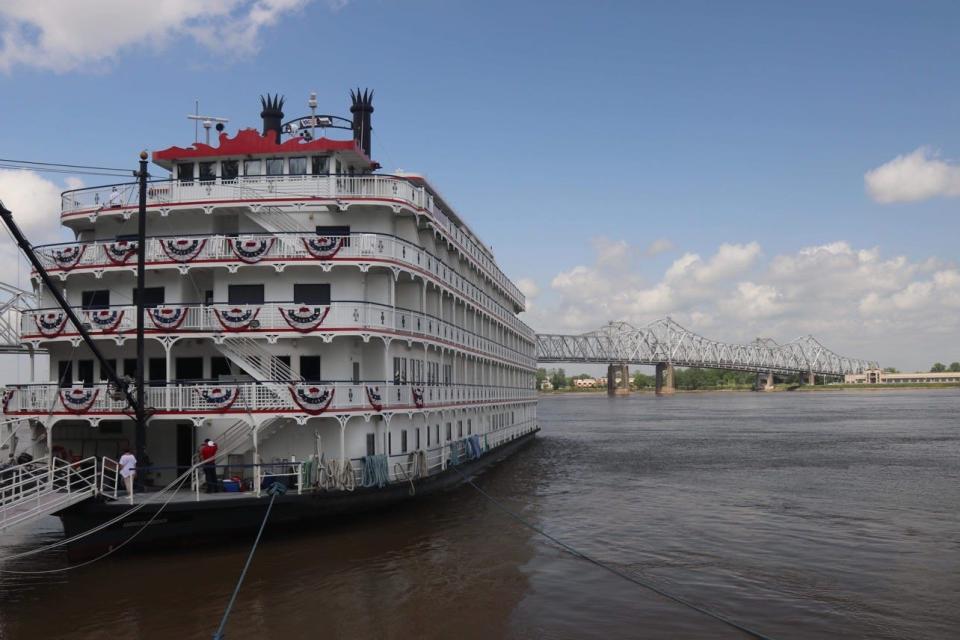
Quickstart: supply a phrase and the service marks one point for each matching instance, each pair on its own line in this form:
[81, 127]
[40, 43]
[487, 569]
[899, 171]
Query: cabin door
[184, 447]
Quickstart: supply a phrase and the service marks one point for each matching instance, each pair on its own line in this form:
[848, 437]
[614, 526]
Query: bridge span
[665, 344]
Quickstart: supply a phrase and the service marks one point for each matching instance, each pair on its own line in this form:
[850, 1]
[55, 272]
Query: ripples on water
[800, 515]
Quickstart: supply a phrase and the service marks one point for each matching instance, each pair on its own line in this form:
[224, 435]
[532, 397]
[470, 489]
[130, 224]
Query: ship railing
[51, 324]
[108, 254]
[103, 199]
[232, 398]
[109, 477]
[44, 486]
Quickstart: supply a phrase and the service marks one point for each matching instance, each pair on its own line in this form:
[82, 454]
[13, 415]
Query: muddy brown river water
[801, 515]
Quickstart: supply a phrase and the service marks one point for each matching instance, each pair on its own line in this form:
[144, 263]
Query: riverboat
[331, 327]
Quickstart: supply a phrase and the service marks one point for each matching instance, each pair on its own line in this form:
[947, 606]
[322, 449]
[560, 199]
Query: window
[311, 294]
[208, 296]
[245, 294]
[229, 169]
[111, 427]
[403, 441]
[319, 164]
[208, 171]
[356, 373]
[418, 438]
[157, 370]
[428, 435]
[310, 368]
[185, 172]
[219, 367]
[399, 370]
[130, 367]
[335, 230]
[103, 371]
[436, 433]
[469, 426]
[85, 372]
[298, 166]
[274, 166]
[152, 296]
[459, 428]
[389, 444]
[189, 368]
[449, 431]
[371, 444]
[99, 299]
[251, 168]
[65, 372]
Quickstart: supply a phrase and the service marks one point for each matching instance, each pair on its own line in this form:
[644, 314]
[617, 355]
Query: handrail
[272, 317]
[95, 200]
[28, 484]
[290, 246]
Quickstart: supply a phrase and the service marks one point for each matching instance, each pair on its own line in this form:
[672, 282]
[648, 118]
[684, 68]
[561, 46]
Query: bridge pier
[665, 379]
[811, 378]
[764, 382]
[613, 372]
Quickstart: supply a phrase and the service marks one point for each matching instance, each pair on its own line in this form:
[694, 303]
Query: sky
[750, 169]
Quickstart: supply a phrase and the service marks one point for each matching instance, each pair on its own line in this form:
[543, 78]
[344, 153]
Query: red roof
[249, 142]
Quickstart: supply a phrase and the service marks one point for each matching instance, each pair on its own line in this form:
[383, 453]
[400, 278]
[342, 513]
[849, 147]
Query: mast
[140, 433]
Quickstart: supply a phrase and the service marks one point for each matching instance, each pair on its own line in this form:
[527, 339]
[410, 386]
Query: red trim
[249, 142]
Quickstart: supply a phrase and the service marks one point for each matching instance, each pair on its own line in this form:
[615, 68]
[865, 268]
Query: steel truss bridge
[666, 342]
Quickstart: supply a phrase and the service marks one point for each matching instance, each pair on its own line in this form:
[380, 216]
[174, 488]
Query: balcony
[272, 320]
[340, 190]
[278, 250]
[302, 399]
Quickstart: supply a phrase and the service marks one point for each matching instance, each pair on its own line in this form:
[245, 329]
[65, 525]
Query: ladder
[43, 487]
[276, 220]
[251, 356]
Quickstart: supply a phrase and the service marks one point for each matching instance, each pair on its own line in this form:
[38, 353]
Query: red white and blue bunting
[167, 318]
[323, 247]
[104, 320]
[304, 319]
[120, 251]
[50, 323]
[312, 398]
[236, 318]
[250, 250]
[417, 397]
[183, 249]
[218, 398]
[68, 257]
[78, 399]
[7, 397]
[375, 398]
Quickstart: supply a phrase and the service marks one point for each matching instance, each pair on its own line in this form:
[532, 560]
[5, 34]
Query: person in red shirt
[208, 454]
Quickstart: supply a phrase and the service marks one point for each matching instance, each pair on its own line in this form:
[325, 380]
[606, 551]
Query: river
[800, 515]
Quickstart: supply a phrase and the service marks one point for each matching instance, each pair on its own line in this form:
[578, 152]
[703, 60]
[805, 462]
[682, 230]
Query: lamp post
[312, 103]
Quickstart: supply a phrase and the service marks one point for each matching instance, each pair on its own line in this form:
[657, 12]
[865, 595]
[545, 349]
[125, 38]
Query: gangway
[45, 486]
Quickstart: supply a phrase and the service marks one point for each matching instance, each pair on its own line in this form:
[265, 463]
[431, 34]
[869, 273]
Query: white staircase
[43, 487]
[276, 220]
[252, 357]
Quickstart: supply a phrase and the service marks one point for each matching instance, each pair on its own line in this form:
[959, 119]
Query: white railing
[242, 397]
[109, 477]
[286, 248]
[338, 317]
[43, 487]
[101, 200]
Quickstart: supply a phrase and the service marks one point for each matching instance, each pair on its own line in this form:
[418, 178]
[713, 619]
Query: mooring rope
[637, 581]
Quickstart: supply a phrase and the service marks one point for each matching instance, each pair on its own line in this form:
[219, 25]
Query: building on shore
[878, 376]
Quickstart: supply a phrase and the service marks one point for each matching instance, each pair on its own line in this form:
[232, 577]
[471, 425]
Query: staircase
[43, 487]
[251, 356]
[276, 220]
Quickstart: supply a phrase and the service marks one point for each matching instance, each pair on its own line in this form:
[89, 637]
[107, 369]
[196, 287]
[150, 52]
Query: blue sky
[575, 134]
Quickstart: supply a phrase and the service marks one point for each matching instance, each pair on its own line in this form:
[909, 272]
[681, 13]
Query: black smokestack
[361, 109]
[272, 114]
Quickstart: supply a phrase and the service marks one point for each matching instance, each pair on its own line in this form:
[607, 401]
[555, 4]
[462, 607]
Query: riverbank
[777, 388]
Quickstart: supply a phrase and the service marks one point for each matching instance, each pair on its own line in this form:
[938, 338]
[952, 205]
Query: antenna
[207, 122]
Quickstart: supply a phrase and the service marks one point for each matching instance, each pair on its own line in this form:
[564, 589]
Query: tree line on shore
[691, 378]
[937, 367]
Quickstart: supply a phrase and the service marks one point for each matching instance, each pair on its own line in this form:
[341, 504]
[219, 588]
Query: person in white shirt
[115, 200]
[128, 470]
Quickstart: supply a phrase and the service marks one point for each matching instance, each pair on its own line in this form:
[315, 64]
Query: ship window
[245, 294]
[85, 372]
[152, 296]
[275, 166]
[449, 431]
[156, 369]
[371, 444]
[319, 164]
[251, 168]
[298, 166]
[185, 172]
[436, 433]
[389, 444]
[103, 371]
[459, 428]
[428, 435]
[130, 367]
[229, 169]
[403, 441]
[208, 170]
[99, 299]
[65, 372]
[356, 373]
[311, 294]
[189, 368]
[310, 368]
[418, 439]
[469, 426]
[219, 367]
[111, 427]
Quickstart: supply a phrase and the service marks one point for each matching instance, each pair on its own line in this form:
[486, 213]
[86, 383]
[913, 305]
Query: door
[184, 447]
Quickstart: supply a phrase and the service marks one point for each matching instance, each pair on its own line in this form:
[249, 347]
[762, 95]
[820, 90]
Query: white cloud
[661, 245]
[856, 300]
[63, 35]
[919, 175]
